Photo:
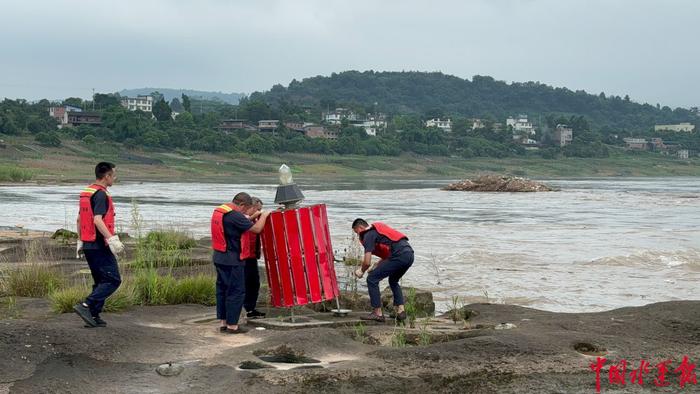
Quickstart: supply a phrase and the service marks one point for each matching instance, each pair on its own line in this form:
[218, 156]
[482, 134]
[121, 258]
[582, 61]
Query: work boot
[84, 312]
[99, 321]
[373, 317]
[255, 314]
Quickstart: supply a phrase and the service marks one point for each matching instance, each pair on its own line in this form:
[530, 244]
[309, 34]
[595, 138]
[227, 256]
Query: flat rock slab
[307, 321]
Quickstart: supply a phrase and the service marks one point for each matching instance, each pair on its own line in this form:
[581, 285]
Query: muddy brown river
[595, 245]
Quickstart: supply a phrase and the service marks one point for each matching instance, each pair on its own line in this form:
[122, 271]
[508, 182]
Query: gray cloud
[54, 49]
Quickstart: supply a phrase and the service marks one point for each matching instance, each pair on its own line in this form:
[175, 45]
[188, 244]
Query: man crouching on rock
[228, 223]
[96, 239]
[396, 256]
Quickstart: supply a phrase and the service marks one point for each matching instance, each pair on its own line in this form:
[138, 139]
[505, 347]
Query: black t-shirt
[235, 224]
[98, 201]
[371, 237]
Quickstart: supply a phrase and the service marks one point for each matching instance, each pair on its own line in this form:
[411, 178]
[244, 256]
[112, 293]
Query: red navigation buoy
[298, 252]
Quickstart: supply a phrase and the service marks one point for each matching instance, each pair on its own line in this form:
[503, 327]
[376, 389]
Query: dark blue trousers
[105, 275]
[230, 292]
[252, 284]
[394, 268]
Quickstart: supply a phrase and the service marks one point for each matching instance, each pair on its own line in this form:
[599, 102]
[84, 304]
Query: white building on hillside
[336, 116]
[445, 125]
[477, 124]
[372, 125]
[685, 126]
[140, 102]
[521, 125]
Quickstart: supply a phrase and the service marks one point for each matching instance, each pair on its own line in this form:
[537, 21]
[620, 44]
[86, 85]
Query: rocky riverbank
[497, 349]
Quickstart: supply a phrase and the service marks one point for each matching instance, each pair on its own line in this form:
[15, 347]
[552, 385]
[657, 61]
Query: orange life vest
[88, 231]
[249, 245]
[218, 238]
[381, 250]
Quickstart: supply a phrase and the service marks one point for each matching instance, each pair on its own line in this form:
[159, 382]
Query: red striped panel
[268, 241]
[329, 245]
[310, 260]
[291, 224]
[282, 258]
[320, 233]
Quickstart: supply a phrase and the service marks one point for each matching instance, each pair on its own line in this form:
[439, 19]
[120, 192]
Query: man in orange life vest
[96, 239]
[396, 256]
[228, 224]
[250, 253]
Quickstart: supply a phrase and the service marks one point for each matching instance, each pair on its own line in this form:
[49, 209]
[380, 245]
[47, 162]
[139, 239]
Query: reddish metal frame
[299, 257]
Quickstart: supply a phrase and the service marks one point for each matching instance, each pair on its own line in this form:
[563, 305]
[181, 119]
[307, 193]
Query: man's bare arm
[260, 224]
[101, 226]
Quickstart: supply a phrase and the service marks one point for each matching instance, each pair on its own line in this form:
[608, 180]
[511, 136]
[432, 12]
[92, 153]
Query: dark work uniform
[230, 270]
[102, 263]
[394, 267]
[252, 279]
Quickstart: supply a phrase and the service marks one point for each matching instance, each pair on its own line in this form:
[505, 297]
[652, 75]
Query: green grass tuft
[32, 280]
[14, 174]
[168, 240]
[62, 300]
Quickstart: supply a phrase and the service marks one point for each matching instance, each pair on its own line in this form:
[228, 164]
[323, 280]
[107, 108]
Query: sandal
[239, 330]
[373, 317]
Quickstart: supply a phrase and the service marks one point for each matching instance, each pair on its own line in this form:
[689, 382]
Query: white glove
[115, 245]
[78, 249]
[359, 273]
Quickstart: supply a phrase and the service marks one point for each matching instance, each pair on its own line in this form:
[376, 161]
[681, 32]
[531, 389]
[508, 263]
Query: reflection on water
[597, 244]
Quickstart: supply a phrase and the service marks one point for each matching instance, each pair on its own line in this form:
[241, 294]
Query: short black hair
[103, 168]
[359, 222]
[243, 198]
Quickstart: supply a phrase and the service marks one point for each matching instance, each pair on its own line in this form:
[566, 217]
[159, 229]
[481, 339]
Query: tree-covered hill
[482, 97]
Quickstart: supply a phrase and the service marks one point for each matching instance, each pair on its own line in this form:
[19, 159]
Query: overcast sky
[55, 49]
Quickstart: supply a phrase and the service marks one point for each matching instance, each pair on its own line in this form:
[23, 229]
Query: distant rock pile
[498, 183]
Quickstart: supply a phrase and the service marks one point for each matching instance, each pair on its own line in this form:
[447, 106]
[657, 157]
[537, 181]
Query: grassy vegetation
[146, 288]
[9, 308]
[73, 162]
[360, 332]
[14, 174]
[411, 307]
[424, 337]
[165, 248]
[168, 239]
[62, 300]
[398, 338]
[142, 285]
[152, 288]
[33, 280]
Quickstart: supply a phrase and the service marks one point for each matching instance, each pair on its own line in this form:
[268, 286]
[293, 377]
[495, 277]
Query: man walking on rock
[97, 240]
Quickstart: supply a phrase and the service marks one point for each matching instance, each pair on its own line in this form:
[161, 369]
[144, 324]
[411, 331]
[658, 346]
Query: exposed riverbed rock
[498, 183]
[65, 235]
[359, 301]
[542, 352]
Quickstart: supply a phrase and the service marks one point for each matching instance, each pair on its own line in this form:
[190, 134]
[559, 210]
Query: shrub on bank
[14, 174]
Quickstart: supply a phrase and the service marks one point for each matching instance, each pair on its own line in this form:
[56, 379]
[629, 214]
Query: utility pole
[93, 99]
